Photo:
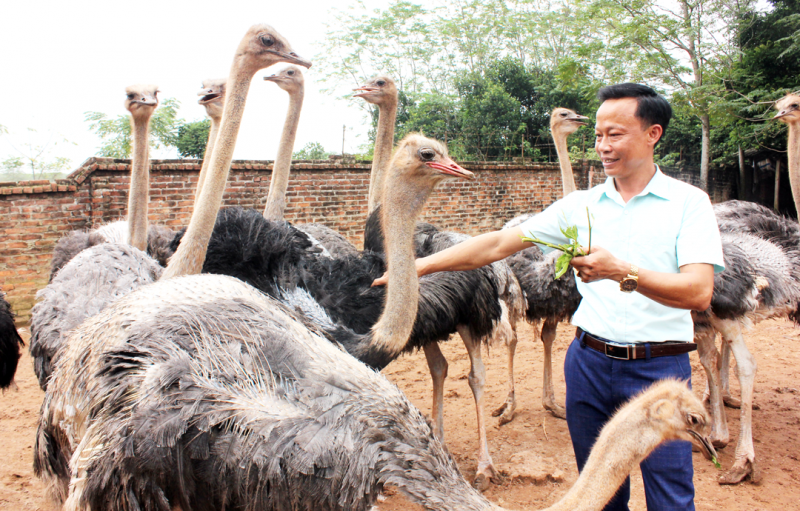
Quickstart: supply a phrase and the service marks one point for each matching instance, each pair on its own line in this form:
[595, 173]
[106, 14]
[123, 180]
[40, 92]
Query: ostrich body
[10, 343]
[291, 80]
[549, 301]
[212, 97]
[760, 281]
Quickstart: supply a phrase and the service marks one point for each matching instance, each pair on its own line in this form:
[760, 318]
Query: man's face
[624, 144]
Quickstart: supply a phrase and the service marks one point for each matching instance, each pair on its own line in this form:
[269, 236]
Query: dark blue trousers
[596, 387]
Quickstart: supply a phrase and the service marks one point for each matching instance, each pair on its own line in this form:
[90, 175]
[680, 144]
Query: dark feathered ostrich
[549, 301]
[141, 101]
[10, 344]
[202, 393]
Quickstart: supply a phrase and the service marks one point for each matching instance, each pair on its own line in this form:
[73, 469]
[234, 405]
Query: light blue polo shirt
[669, 224]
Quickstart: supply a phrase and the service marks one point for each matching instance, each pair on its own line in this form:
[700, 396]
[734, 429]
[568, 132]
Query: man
[655, 247]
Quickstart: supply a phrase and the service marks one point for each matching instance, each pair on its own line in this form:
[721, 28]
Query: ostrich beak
[367, 90]
[272, 78]
[448, 166]
[707, 449]
[207, 95]
[784, 112]
[578, 119]
[292, 58]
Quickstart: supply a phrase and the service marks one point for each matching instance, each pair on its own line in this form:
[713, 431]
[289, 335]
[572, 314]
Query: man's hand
[600, 264]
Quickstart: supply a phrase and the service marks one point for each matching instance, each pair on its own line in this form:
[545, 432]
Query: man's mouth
[609, 161]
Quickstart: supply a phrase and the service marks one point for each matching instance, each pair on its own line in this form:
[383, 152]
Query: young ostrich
[291, 80]
[10, 343]
[202, 393]
[141, 101]
[548, 301]
[90, 270]
[212, 97]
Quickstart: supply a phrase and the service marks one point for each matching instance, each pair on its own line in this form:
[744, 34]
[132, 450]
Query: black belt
[634, 351]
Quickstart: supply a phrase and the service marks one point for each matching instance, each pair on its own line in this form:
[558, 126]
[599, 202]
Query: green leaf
[562, 264]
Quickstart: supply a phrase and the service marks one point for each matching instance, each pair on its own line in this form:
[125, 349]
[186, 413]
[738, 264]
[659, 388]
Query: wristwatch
[631, 280]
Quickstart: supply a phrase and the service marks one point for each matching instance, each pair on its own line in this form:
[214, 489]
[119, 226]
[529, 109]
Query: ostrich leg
[744, 464]
[548, 394]
[477, 380]
[437, 365]
[705, 337]
[724, 375]
[507, 409]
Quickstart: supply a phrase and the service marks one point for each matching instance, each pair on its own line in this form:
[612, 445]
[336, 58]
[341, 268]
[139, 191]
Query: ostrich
[213, 99]
[93, 280]
[141, 101]
[380, 91]
[765, 266]
[199, 392]
[10, 343]
[291, 80]
[548, 301]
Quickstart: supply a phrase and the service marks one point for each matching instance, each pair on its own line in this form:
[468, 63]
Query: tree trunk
[705, 154]
[742, 176]
[776, 201]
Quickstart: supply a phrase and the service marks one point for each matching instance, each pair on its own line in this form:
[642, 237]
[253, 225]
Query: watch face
[628, 285]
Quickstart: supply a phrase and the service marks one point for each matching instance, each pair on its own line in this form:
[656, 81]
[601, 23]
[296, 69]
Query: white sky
[60, 59]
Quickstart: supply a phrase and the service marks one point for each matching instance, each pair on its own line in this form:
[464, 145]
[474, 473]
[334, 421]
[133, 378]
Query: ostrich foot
[741, 471]
[731, 402]
[556, 410]
[505, 412]
[486, 475]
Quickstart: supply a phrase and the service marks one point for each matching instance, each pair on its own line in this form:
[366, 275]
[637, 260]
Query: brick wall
[35, 214]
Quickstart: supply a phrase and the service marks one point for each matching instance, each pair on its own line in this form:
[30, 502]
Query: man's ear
[654, 133]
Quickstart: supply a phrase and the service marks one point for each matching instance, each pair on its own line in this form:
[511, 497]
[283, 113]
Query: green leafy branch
[570, 249]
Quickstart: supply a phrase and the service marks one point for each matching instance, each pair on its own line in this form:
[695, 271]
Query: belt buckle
[612, 348]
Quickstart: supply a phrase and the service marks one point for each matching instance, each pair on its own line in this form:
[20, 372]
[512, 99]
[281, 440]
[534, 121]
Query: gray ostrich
[199, 392]
[549, 301]
[212, 98]
[141, 101]
[10, 344]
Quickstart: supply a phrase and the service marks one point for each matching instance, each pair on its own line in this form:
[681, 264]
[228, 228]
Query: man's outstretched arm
[470, 254]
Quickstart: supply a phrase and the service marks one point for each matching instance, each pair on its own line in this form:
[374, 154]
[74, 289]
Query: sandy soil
[776, 427]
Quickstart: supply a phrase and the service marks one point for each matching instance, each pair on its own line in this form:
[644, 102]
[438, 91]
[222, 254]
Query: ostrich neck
[276, 200]
[567, 178]
[623, 443]
[138, 196]
[212, 139]
[402, 205]
[191, 253]
[793, 149]
[384, 140]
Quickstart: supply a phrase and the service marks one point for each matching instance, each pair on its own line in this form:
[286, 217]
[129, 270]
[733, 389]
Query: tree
[35, 158]
[116, 132]
[311, 151]
[192, 138]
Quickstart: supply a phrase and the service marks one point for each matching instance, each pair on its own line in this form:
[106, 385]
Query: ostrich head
[788, 108]
[141, 100]
[289, 79]
[212, 96]
[564, 121]
[421, 159]
[378, 90]
[263, 46]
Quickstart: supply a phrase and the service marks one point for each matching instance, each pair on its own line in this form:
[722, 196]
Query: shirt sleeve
[698, 239]
[547, 225]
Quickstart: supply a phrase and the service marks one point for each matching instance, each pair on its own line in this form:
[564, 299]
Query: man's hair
[652, 108]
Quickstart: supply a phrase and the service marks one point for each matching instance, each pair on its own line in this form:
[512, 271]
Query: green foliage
[570, 249]
[192, 138]
[311, 151]
[116, 132]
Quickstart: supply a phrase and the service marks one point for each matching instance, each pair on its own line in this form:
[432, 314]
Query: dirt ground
[776, 426]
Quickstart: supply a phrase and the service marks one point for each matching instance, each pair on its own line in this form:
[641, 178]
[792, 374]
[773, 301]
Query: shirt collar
[659, 186]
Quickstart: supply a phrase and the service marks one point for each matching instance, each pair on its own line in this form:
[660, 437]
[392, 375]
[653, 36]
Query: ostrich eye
[130, 96]
[563, 114]
[692, 420]
[267, 40]
[290, 73]
[381, 83]
[427, 154]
